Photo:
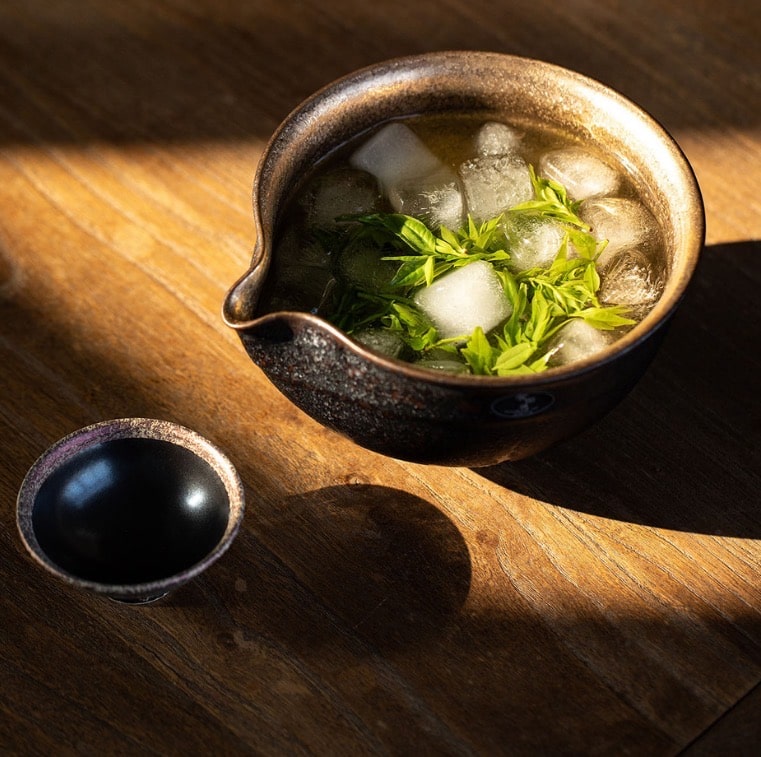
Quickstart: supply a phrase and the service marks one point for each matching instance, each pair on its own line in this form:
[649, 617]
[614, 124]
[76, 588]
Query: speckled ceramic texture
[409, 413]
[89, 438]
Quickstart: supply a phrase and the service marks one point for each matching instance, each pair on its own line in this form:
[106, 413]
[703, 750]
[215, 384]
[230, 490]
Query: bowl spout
[240, 302]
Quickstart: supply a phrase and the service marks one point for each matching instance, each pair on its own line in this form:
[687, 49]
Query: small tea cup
[130, 508]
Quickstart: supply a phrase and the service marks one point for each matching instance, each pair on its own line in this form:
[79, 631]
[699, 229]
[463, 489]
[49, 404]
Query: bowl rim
[399, 69]
[81, 439]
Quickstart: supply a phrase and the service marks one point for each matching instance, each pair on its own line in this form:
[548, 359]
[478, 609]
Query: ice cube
[462, 299]
[295, 248]
[575, 340]
[395, 155]
[436, 199]
[302, 288]
[624, 223]
[533, 242]
[340, 192]
[414, 180]
[380, 340]
[494, 138]
[583, 174]
[631, 280]
[494, 183]
[364, 267]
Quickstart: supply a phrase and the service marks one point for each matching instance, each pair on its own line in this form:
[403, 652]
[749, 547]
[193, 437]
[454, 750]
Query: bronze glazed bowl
[410, 413]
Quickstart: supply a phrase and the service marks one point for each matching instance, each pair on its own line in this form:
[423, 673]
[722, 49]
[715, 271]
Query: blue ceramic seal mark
[522, 405]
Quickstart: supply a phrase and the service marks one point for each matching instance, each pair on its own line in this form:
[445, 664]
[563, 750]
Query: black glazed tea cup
[410, 413]
[130, 508]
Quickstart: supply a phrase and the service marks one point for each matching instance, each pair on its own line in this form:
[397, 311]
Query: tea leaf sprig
[431, 255]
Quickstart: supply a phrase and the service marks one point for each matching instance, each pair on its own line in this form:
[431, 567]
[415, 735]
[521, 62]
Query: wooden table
[603, 598]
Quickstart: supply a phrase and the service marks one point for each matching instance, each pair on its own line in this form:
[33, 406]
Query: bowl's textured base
[392, 410]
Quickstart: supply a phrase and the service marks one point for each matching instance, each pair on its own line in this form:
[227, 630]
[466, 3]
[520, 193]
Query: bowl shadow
[682, 451]
[389, 567]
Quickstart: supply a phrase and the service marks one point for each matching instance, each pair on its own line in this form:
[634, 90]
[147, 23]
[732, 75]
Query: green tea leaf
[428, 267]
[409, 230]
[448, 242]
[540, 317]
[513, 357]
[606, 318]
[478, 353]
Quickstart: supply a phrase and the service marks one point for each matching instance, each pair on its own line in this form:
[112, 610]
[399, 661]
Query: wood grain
[602, 598]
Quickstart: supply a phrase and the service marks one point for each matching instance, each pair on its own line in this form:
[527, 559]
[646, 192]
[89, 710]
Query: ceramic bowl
[406, 412]
[130, 508]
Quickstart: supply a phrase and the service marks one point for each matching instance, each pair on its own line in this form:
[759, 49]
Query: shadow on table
[390, 565]
[683, 450]
[174, 74]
